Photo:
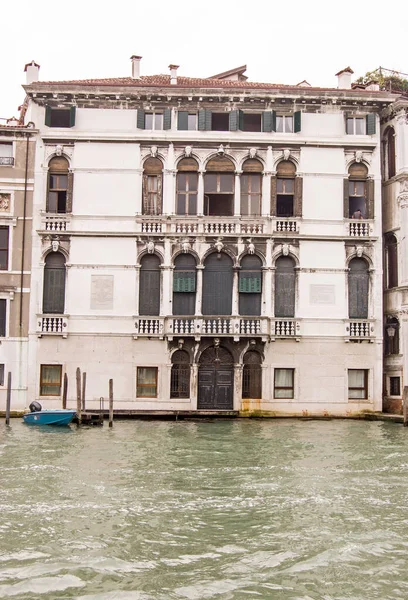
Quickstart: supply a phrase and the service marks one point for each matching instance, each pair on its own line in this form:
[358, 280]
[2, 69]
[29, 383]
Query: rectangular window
[153, 121]
[2, 369]
[358, 384]
[192, 122]
[219, 194]
[284, 383]
[251, 122]
[4, 248]
[395, 386]
[57, 193]
[357, 200]
[50, 380]
[6, 154]
[251, 194]
[187, 186]
[220, 121]
[356, 125]
[285, 190]
[60, 117]
[284, 123]
[146, 382]
[3, 317]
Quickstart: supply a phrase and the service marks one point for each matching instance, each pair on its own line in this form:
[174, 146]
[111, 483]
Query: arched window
[358, 193]
[180, 375]
[54, 284]
[358, 279]
[187, 187]
[391, 261]
[285, 287]
[250, 285]
[252, 375]
[219, 187]
[389, 163]
[152, 186]
[251, 188]
[149, 286]
[391, 336]
[60, 182]
[184, 285]
[286, 191]
[217, 285]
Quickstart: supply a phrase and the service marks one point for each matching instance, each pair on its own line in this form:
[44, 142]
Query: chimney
[344, 78]
[32, 72]
[135, 66]
[173, 74]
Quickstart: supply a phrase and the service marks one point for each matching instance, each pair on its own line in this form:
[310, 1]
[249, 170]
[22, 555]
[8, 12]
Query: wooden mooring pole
[83, 390]
[78, 388]
[110, 402]
[8, 401]
[65, 391]
[405, 406]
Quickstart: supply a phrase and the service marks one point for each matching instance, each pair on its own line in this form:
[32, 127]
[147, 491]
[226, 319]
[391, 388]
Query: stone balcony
[198, 327]
[55, 223]
[359, 330]
[359, 228]
[56, 325]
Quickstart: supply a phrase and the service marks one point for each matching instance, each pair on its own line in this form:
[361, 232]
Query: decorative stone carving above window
[5, 200]
[58, 150]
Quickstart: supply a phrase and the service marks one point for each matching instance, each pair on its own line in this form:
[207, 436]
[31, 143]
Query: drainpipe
[23, 235]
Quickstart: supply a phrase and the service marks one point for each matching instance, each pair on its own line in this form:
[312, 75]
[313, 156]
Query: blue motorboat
[37, 416]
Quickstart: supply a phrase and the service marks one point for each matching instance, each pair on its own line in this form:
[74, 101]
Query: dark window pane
[60, 118]
[220, 122]
[251, 122]
[50, 380]
[210, 183]
[227, 183]
[350, 126]
[149, 286]
[395, 386]
[358, 289]
[181, 204]
[3, 315]
[285, 287]
[181, 181]
[192, 182]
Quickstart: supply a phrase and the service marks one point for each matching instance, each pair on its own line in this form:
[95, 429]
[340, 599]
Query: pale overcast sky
[280, 43]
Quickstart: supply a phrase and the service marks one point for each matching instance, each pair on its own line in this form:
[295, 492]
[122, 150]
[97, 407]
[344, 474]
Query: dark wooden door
[216, 380]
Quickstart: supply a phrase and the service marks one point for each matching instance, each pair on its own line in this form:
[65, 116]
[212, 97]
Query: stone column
[194, 387]
[137, 282]
[169, 191]
[235, 293]
[199, 291]
[138, 191]
[200, 194]
[266, 194]
[237, 194]
[237, 386]
[403, 244]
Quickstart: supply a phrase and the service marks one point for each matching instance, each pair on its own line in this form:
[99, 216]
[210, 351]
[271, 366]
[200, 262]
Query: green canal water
[280, 509]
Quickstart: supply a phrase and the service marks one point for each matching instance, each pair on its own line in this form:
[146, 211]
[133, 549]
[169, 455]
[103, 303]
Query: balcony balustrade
[359, 228]
[52, 325]
[55, 222]
[359, 330]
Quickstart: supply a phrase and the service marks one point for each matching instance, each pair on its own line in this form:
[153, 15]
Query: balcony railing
[6, 161]
[202, 326]
[204, 225]
[359, 228]
[359, 330]
[55, 223]
[286, 226]
[285, 328]
[52, 325]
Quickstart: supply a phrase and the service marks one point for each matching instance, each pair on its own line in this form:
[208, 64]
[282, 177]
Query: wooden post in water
[78, 387]
[8, 402]
[110, 402]
[405, 406]
[65, 391]
[83, 390]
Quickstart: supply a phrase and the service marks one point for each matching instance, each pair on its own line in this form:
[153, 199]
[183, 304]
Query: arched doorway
[216, 379]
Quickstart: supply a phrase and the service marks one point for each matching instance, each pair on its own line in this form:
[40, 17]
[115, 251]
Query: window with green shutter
[184, 282]
[60, 117]
[184, 285]
[370, 124]
[250, 283]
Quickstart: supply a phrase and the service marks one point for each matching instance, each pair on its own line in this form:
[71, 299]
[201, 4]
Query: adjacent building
[17, 143]
[209, 244]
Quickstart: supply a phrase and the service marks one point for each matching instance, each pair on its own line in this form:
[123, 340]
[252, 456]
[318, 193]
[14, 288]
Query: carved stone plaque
[101, 292]
[5, 202]
[322, 294]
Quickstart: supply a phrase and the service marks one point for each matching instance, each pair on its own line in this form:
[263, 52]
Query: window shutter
[184, 282]
[69, 192]
[48, 116]
[297, 121]
[202, 120]
[3, 307]
[298, 197]
[267, 121]
[72, 113]
[273, 195]
[346, 198]
[370, 124]
[167, 118]
[182, 120]
[140, 118]
[208, 120]
[285, 282]
[233, 120]
[370, 198]
[241, 120]
[251, 284]
[274, 120]
[54, 290]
